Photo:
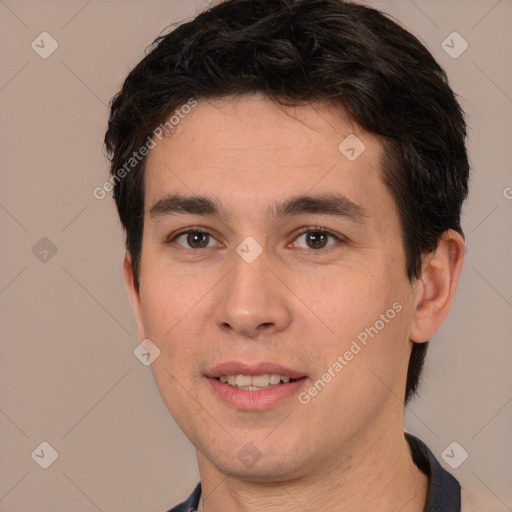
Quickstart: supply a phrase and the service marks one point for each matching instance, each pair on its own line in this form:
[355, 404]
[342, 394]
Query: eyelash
[309, 229]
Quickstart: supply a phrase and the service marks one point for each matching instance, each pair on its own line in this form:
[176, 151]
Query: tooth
[243, 380]
[260, 380]
[254, 382]
[275, 379]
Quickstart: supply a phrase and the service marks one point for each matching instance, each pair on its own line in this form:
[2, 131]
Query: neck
[377, 474]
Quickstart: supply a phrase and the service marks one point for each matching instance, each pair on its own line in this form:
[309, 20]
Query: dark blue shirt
[443, 493]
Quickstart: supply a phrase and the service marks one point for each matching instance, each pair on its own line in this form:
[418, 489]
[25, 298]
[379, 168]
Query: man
[290, 176]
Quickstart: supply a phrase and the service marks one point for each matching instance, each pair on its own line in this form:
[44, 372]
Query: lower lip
[255, 400]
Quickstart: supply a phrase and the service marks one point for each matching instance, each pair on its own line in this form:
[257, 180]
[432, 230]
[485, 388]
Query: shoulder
[191, 504]
[444, 491]
[470, 502]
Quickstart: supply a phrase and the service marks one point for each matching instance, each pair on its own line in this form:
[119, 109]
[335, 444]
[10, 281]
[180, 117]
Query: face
[268, 251]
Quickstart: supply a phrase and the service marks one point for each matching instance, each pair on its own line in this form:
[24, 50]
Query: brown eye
[316, 239]
[194, 239]
[197, 240]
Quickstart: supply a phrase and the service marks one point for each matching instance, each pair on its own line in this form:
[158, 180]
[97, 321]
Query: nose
[252, 301]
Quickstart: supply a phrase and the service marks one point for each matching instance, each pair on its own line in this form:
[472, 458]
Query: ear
[134, 295]
[435, 288]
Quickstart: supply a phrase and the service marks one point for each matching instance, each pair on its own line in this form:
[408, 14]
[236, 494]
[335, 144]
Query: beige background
[68, 373]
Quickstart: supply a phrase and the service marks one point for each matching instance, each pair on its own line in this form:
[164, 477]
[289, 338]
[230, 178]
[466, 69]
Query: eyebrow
[323, 204]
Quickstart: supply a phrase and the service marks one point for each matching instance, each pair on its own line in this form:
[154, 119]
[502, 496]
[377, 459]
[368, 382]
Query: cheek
[348, 300]
[168, 296]
[367, 314]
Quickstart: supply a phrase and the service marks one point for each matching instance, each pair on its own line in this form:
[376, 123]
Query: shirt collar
[444, 489]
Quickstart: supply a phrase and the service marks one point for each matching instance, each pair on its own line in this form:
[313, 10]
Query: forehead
[248, 147]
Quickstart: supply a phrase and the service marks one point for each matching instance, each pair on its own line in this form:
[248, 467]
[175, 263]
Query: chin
[261, 471]
[256, 461]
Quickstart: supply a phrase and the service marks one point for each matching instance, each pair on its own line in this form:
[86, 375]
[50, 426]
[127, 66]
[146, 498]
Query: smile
[255, 382]
[255, 386]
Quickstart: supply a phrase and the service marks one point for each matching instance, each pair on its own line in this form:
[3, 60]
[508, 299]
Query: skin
[297, 306]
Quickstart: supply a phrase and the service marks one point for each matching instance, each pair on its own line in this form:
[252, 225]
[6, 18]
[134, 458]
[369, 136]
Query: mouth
[255, 382]
[254, 386]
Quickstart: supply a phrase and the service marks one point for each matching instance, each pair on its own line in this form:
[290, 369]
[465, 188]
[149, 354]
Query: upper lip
[241, 368]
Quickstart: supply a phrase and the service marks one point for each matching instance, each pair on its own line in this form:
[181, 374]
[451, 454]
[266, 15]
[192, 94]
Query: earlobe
[134, 295]
[436, 286]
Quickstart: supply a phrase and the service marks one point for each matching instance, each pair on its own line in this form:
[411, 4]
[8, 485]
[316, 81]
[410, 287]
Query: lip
[240, 368]
[254, 400]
